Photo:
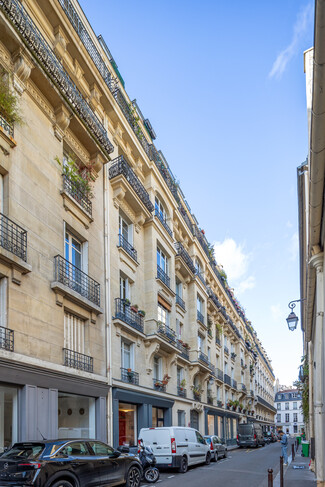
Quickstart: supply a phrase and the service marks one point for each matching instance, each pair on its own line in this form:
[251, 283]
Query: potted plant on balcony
[8, 102]
[235, 404]
[134, 308]
[244, 410]
[197, 391]
[80, 176]
[142, 313]
[182, 384]
[219, 404]
[130, 375]
[127, 302]
[240, 407]
[165, 379]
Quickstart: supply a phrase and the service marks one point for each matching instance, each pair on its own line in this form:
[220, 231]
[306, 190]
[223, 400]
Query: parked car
[272, 436]
[176, 446]
[218, 449]
[267, 439]
[250, 434]
[67, 463]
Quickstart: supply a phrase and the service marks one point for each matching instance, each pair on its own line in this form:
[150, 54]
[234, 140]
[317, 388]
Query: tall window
[199, 304]
[232, 372]
[198, 266]
[163, 315]
[179, 329]
[181, 418]
[73, 250]
[209, 354]
[157, 367]
[294, 405]
[286, 405]
[287, 417]
[226, 368]
[125, 229]
[1, 194]
[160, 210]
[278, 418]
[179, 288]
[127, 355]
[225, 341]
[295, 417]
[180, 375]
[3, 301]
[279, 406]
[162, 261]
[200, 343]
[124, 287]
[74, 333]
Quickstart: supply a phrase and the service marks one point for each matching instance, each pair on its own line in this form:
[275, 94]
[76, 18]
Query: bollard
[281, 471]
[270, 478]
[293, 451]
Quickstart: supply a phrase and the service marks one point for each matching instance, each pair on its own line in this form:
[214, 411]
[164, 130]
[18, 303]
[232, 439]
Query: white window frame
[159, 206]
[3, 301]
[124, 286]
[124, 345]
[179, 288]
[74, 333]
[163, 314]
[157, 367]
[129, 227]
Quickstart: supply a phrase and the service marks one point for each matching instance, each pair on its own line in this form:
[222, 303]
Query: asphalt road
[242, 468]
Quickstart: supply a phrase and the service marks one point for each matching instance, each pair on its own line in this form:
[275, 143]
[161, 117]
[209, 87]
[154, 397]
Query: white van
[175, 446]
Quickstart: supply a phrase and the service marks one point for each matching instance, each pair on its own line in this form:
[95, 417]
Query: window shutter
[164, 303]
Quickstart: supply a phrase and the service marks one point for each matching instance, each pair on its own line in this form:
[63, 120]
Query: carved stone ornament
[62, 120]
[23, 66]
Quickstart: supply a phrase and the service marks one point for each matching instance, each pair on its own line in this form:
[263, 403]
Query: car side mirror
[115, 454]
[123, 449]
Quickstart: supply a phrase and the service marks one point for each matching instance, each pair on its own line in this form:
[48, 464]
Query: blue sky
[223, 85]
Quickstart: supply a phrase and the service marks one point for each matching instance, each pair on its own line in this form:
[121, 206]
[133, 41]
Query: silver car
[218, 449]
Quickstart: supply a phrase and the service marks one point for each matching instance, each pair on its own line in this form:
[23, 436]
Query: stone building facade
[289, 416]
[114, 313]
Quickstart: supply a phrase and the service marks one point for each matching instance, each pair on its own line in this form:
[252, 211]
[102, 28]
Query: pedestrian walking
[284, 447]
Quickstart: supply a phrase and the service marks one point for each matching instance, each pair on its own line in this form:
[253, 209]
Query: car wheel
[133, 477]
[61, 483]
[183, 465]
[208, 458]
[225, 454]
[151, 474]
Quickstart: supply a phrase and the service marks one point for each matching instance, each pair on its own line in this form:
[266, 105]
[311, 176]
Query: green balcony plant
[142, 313]
[80, 176]
[182, 383]
[9, 102]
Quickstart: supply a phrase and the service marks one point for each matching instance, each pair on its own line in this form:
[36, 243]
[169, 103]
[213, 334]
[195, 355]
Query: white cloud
[277, 313]
[294, 246]
[304, 20]
[235, 261]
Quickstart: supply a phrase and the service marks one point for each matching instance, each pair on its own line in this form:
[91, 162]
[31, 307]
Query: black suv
[67, 463]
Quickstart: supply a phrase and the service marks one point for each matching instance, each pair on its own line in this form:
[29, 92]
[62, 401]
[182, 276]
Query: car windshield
[26, 451]
[207, 439]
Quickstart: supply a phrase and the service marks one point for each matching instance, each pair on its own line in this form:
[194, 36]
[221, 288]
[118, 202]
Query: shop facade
[223, 424]
[36, 403]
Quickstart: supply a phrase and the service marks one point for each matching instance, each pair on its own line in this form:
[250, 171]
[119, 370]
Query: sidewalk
[297, 477]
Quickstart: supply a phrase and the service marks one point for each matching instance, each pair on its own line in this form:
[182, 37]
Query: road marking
[159, 481]
[171, 477]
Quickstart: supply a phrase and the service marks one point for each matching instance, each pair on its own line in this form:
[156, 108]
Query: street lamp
[292, 319]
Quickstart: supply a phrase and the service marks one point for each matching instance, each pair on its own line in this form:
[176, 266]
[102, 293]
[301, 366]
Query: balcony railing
[204, 358]
[164, 170]
[119, 167]
[77, 280]
[128, 375]
[226, 349]
[196, 396]
[181, 391]
[167, 333]
[200, 276]
[218, 341]
[200, 317]
[180, 302]
[184, 350]
[77, 194]
[265, 403]
[7, 127]
[210, 331]
[242, 387]
[202, 239]
[233, 383]
[185, 256]
[219, 374]
[186, 218]
[161, 274]
[213, 297]
[6, 339]
[13, 237]
[251, 392]
[159, 385]
[124, 313]
[41, 50]
[127, 247]
[77, 360]
[227, 379]
[162, 220]
[233, 355]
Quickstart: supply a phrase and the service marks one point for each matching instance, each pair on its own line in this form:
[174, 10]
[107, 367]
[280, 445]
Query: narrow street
[242, 468]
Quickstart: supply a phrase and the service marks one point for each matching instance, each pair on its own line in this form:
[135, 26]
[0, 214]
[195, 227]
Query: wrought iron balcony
[167, 333]
[242, 387]
[181, 392]
[219, 374]
[7, 127]
[219, 403]
[13, 237]
[128, 375]
[204, 358]
[185, 256]
[161, 218]
[196, 396]
[186, 218]
[180, 302]
[72, 188]
[227, 379]
[41, 50]
[213, 297]
[226, 349]
[200, 317]
[164, 171]
[6, 339]
[218, 341]
[200, 276]
[184, 350]
[233, 383]
[202, 239]
[119, 167]
[159, 385]
[77, 360]
[161, 274]
[233, 355]
[127, 247]
[124, 313]
[77, 280]
[266, 404]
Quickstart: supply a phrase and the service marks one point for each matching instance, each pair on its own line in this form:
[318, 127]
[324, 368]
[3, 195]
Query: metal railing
[119, 166]
[181, 392]
[162, 220]
[41, 50]
[180, 302]
[226, 349]
[219, 374]
[124, 313]
[200, 317]
[127, 247]
[77, 360]
[265, 403]
[233, 383]
[13, 237]
[167, 333]
[184, 351]
[6, 339]
[210, 331]
[196, 396]
[204, 358]
[186, 218]
[161, 274]
[77, 280]
[233, 355]
[227, 379]
[7, 127]
[72, 188]
[185, 256]
[128, 375]
[200, 276]
[164, 171]
[159, 385]
[242, 387]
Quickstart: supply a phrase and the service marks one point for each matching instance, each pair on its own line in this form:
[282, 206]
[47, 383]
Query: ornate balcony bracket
[62, 120]
[23, 66]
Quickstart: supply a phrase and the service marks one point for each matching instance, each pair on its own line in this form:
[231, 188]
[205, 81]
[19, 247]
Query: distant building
[289, 414]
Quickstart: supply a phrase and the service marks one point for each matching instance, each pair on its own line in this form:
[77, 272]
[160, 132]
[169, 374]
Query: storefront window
[8, 416]
[127, 416]
[76, 416]
[157, 417]
[210, 424]
[220, 427]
